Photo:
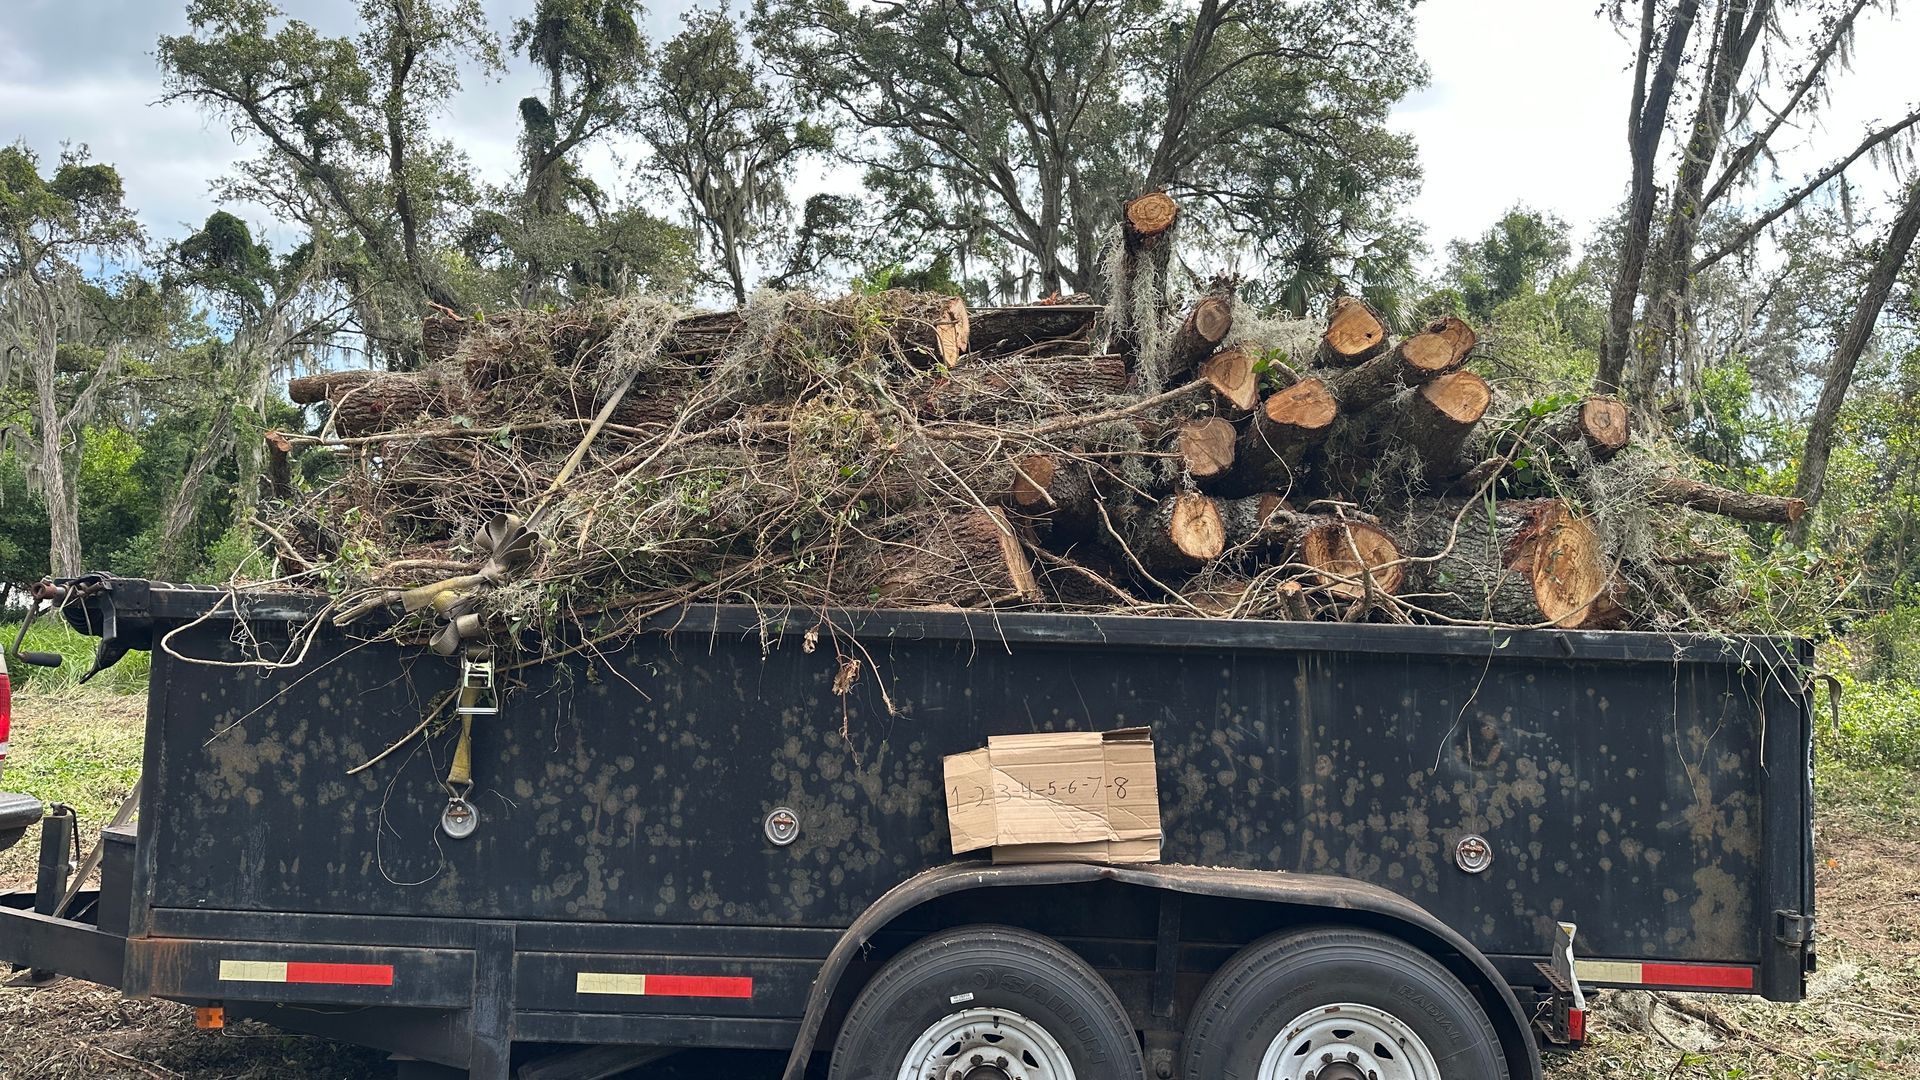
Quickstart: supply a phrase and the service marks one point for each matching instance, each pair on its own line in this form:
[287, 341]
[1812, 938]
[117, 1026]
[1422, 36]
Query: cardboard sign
[1080, 796]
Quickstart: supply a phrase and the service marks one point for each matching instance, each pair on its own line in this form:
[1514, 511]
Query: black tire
[987, 967]
[1278, 979]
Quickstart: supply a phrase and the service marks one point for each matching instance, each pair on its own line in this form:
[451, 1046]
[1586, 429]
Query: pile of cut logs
[1177, 461]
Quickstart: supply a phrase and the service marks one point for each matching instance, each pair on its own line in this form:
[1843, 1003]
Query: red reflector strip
[631, 984]
[701, 986]
[1576, 1025]
[340, 974]
[1715, 976]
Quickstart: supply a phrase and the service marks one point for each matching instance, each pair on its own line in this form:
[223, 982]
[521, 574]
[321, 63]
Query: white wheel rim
[1348, 1042]
[986, 1044]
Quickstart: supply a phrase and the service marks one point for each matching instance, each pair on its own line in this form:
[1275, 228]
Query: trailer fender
[1389, 911]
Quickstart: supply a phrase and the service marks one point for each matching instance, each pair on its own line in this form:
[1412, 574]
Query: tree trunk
[1139, 292]
[964, 559]
[1652, 95]
[1180, 534]
[1283, 428]
[1356, 332]
[1517, 562]
[1204, 448]
[1436, 421]
[1236, 386]
[1811, 482]
[1740, 505]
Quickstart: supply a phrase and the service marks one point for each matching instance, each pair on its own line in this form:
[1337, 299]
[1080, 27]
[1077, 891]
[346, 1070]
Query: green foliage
[1879, 724]
[1007, 136]
[1523, 250]
[51, 634]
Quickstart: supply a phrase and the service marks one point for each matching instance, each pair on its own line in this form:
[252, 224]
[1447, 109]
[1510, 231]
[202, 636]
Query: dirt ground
[1861, 1019]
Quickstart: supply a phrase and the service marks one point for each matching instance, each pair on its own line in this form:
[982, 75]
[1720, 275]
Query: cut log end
[1211, 318]
[1150, 214]
[1306, 406]
[1604, 424]
[1566, 565]
[1460, 396]
[1195, 528]
[1442, 345]
[1230, 372]
[1205, 447]
[1033, 475]
[1349, 554]
[1355, 333]
[951, 332]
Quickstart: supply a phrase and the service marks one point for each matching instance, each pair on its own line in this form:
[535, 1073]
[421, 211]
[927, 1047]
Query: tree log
[1200, 332]
[1356, 332]
[1205, 448]
[1283, 428]
[1045, 329]
[1180, 534]
[1247, 522]
[1236, 385]
[1598, 423]
[964, 559]
[441, 335]
[1442, 345]
[1740, 505]
[313, 389]
[1515, 562]
[978, 391]
[1055, 491]
[368, 402]
[1436, 419]
[1146, 226]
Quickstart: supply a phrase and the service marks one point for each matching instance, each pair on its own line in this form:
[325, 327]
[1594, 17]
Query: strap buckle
[477, 694]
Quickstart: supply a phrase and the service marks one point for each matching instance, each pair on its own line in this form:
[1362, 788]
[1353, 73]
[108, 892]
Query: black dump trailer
[730, 831]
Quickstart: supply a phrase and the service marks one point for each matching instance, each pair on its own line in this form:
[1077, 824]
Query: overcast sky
[1527, 103]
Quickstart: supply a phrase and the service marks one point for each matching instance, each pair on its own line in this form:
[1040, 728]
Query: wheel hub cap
[985, 1044]
[1348, 1042]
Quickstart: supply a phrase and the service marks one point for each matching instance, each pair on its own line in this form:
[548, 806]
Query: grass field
[82, 747]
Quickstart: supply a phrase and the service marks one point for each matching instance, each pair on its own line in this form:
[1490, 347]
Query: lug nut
[1353, 1058]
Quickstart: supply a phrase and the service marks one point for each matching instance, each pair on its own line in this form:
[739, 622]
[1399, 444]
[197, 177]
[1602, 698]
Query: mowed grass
[72, 744]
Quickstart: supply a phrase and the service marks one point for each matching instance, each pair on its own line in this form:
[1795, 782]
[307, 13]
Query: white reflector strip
[610, 982]
[253, 971]
[1617, 971]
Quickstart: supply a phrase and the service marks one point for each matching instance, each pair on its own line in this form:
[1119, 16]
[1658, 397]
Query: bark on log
[1066, 383]
[441, 335]
[1045, 329]
[1236, 385]
[1247, 522]
[1205, 448]
[369, 402]
[1740, 505]
[1356, 332]
[1201, 331]
[313, 389]
[1283, 428]
[1180, 534]
[1054, 491]
[964, 559]
[1517, 562]
[1437, 419]
[1146, 227]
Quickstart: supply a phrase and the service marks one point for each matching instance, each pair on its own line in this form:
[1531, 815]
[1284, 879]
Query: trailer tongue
[715, 837]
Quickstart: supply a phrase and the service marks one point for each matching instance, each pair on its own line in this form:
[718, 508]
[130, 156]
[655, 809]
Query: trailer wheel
[1339, 1005]
[987, 1003]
